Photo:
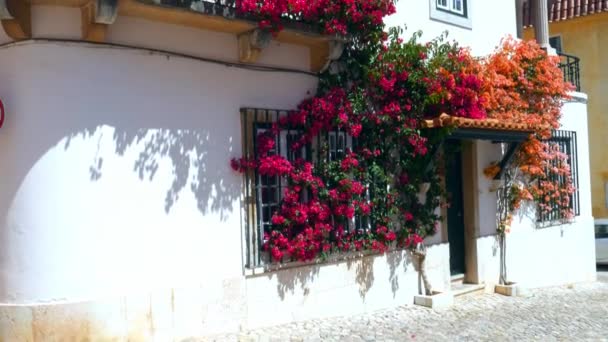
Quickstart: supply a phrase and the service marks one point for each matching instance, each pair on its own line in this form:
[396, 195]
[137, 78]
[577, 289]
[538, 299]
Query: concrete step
[463, 289]
[457, 278]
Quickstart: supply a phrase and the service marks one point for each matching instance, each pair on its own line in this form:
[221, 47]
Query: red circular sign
[1, 113]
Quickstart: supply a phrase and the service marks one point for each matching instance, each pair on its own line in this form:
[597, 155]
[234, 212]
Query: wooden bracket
[322, 55]
[506, 159]
[16, 18]
[434, 153]
[251, 45]
[96, 16]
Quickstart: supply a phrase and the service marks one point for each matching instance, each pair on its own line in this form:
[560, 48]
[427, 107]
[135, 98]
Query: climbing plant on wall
[378, 92]
[525, 85]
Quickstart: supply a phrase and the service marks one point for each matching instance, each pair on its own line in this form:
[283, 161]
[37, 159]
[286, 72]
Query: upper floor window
[455, 12]
[556, 43]
[453, 6]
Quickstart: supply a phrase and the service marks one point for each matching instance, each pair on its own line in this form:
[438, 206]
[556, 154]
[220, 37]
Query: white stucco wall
[119, 215]
[343, 288]
[490, 21]
[4, 38]
[537, 256]
[106, 146]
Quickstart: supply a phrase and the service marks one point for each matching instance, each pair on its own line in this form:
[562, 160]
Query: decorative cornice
[16, 19]
[96, 16]
[252, 43]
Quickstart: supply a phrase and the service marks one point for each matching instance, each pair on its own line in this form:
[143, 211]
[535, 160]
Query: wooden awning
[486, 129]
[498, 131]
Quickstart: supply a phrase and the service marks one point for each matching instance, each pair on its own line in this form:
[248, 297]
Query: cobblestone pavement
[570, 313]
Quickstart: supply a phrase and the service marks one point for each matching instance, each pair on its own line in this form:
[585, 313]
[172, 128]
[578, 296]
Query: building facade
[580, 29]
[120, 217]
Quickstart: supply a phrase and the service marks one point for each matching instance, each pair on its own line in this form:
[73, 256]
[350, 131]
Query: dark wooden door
[455, 213]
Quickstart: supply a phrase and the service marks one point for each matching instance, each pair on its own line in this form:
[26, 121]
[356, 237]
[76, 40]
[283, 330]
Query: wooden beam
[434, 154]
[319, 55]
[506, 159]
[251, 45]
[318, 45]
[16, 18]
[94, 28]
[183, 17]
[96, 16]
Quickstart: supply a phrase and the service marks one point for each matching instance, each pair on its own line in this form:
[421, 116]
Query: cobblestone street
[570, 313]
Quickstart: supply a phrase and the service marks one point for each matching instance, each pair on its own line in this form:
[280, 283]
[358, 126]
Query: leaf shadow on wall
[399, 263]
[288, 280]
[395, 259]
[301, 277]
[189, 153]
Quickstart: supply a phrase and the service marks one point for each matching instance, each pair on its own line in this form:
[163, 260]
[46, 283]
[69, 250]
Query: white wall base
[439, 300]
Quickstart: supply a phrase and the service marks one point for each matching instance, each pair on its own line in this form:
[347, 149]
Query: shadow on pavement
[602, 273]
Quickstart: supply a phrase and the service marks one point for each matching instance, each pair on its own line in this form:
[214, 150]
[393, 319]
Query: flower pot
[495, 184]
[438, 300]
[510, 289]
[424, 187]
[422, 190]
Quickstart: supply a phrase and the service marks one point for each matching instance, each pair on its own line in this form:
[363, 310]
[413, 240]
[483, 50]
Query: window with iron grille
[455, 12]
[263, 193]
[566, 141]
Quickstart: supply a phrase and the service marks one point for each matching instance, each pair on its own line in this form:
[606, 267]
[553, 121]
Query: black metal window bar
[566, 140]
[263, 193]
[570, 66]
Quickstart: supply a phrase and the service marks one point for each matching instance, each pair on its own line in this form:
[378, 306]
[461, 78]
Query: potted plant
[505, 196]
[429, 298]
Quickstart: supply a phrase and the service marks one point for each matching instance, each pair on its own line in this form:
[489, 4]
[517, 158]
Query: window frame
[560, 48]
[278, 183]
[357, 222]
[566, 140]
[255, 121]
[450, 7]
[451, 15]
[601, 231]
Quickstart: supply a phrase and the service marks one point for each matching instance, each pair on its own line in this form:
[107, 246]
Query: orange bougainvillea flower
[492, 170]
[522, 84]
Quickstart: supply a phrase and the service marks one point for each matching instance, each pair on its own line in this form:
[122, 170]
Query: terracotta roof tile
[565, 9]
[445, 120]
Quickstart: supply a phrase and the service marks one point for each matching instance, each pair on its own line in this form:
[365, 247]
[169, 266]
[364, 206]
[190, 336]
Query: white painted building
[120, 217]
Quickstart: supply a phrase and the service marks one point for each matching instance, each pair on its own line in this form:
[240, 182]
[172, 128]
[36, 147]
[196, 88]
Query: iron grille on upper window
[566, 141]
[263, 193]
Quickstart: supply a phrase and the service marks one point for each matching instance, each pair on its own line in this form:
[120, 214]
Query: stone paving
[570, 313]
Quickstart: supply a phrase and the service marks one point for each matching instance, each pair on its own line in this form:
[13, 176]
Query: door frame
[456, 227]
[470, 200]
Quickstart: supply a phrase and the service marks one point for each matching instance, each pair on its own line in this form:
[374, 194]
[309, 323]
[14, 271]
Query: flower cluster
[369, 196]
[459, 84]
[523, 84]
[332, 16]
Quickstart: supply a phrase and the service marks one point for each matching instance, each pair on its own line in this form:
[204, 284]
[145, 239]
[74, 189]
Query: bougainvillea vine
[524, 85]
[386, 188]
